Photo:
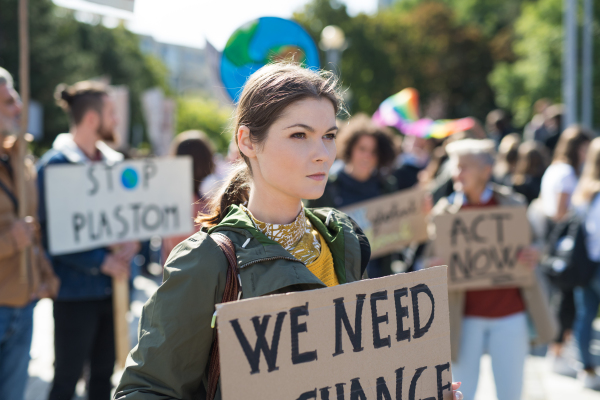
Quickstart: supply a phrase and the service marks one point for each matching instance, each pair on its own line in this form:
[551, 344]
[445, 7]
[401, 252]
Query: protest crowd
[548, 171]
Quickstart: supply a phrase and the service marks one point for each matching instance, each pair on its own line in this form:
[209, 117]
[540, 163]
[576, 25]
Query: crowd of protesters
[554, 172]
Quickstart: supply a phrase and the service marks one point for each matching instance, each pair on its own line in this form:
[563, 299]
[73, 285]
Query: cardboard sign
[95, 205]
[391, 222]
[120, 97]
[481, 247]
[386, 338]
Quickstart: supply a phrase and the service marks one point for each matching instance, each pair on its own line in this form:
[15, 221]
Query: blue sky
[189, 22]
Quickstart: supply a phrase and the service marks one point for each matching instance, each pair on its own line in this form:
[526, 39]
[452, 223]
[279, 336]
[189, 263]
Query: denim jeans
[16, 331]
[587, 300]
[506, 339]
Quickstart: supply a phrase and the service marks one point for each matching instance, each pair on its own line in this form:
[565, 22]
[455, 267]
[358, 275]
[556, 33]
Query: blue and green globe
[129, 178]
[261, 41]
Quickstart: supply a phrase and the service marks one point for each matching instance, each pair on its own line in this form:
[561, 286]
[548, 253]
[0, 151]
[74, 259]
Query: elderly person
[492, 320]
[17, 294]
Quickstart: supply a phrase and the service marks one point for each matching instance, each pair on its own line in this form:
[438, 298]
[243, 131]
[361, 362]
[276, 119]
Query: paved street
[540, 383]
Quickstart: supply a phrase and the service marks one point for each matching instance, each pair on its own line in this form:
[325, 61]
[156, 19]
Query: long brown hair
[532, 161]
[196, 144]
[267, 93]
[507, 157]
[569, 143]
[589, 183]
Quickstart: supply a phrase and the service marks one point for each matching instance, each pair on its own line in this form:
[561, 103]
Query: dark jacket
[79, 273]
[175, 335]
[530, 188]
[407, 176]
[342, 190]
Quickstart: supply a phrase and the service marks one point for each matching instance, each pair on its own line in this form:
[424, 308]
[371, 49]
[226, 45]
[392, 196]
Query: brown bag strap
[232, 292]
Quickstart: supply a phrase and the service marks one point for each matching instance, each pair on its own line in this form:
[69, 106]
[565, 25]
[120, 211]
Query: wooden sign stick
[21, 145]
[120, 308]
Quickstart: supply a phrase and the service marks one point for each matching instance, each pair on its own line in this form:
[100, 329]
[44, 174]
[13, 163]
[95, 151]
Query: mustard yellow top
[302, 241]
[322, 267]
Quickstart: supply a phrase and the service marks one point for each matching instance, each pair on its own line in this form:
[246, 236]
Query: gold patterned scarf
[299, 238]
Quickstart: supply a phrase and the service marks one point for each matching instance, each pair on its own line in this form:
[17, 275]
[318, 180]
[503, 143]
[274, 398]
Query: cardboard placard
[386, 338]
[391, 222]
[481, 247]
[96, 205]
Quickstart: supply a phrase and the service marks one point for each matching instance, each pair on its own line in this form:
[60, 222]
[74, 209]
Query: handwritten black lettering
[260, 328]
[356, 390]
[383, 392]
[341, 316]
[78, 224]
[93, 181]
[378, 342]
[439, 369]
[401, 313]
[419, 330]
[297, 328]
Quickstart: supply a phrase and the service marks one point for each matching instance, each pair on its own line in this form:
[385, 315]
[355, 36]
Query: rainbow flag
[402, 112]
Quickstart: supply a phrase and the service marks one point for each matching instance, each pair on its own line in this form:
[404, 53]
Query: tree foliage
[537, 72]
[424, 47]
[63, 50]
[206, 115]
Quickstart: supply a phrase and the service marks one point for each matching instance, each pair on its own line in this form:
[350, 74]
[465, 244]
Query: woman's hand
[456, 394]
[529, 256]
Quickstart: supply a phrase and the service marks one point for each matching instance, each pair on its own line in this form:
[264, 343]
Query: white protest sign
[386, 338]
[126, 5]
[481, 247]
[120, 97]
[159, 113]
[95, 205]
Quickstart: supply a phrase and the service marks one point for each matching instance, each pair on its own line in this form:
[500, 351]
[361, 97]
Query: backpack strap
[232, 292]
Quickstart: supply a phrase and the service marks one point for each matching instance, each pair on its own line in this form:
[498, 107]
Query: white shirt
[558, 178]
[592, 228]
[65, 144]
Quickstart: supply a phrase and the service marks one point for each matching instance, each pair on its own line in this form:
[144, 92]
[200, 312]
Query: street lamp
[333, 42]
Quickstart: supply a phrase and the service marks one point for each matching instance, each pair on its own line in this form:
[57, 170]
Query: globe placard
[259, 42]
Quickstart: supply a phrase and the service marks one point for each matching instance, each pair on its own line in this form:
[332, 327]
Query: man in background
[83, 311]
[18, 289]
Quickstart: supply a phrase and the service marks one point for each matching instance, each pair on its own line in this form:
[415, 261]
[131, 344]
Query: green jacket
[175, 334]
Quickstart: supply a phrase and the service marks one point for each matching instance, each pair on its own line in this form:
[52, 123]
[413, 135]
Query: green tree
[537, 71]
[63, 50]
[206, 115]
[490, 16]
[422, 47]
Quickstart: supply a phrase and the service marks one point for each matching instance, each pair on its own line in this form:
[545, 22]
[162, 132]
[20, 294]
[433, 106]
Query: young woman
[506, 159]
[587, 298]
[531, 164]
[558, 184]
[285, 130]
[196, 145]
[560, 179]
